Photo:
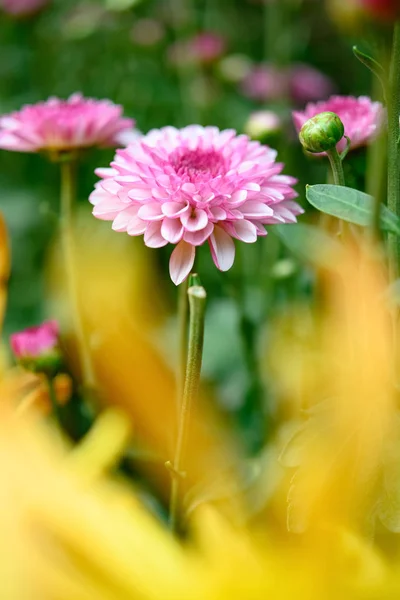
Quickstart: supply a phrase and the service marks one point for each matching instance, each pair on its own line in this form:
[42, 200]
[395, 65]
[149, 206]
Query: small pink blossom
[307, 84]
[265, 82]
[191, 186]
[300, 83]
[204, 48]
[207, 46]
[63, 125]
[35, 342]
[362, 118]
[262, 123]
[22, 7]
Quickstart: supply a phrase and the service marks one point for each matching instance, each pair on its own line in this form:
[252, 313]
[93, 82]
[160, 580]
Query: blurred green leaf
[350, 205]
[309, 243]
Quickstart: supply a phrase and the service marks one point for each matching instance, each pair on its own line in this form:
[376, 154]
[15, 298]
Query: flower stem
[54, 402]
[183, 314]
[68, 193]
[393, 147]
[337, 167]
[197, 302]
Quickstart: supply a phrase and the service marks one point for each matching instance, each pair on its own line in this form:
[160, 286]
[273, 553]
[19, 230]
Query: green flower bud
[322, 132]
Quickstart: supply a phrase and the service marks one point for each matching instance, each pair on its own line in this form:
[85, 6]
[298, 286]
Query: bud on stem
[321, 133]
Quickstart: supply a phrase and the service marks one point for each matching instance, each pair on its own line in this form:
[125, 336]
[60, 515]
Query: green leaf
[372, 65]
[350, 205]
[309, 243]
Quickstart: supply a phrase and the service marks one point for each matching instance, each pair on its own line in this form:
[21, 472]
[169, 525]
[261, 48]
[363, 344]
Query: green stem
[68, 194]
[376, 180]
[337, 167]
[183, 314]
[54, 402]
[197, 302]
[393, 147]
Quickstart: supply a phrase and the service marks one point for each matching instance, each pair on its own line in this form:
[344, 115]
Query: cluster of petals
[191, 186]
[362, 118]
[22, 7]
[35, 342]
[64, 125]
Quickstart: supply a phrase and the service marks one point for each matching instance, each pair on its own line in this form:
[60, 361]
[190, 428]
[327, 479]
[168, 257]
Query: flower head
[63, 125]
[262, 123]
[37, 348]
[322, 132]
[204, 48]
[265, 82]
[361, 117]
[22, 7]
[354, 12]
[194, 185]
[386, 10]
[307, 84]
[207, 46]
[300, 82]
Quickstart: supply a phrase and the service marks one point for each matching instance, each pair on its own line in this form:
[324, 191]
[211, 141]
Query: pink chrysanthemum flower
[35, 342]
[193, 185]
[63, 125]
[361, 117]
[22, 7]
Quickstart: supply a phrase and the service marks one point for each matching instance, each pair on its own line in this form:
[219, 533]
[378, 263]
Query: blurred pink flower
[385, 10]
[35, 342]
[194, 185]
[308, 84]
[301, 83]
[22, 7]
[61, 125]
[262, 123]
[203, 48]
[207, 46]
[265, 82]
[361, 117]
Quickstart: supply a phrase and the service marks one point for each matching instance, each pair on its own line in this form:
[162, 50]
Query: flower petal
[181, 262]
[222, 249]
[245, 231]
[194, 220]
[124, 217]
[153, 237]
[172, 230]
[238, 198]
[151, 212]
[135, 226]
[256, 210]
[173, 209]
[197, 238]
